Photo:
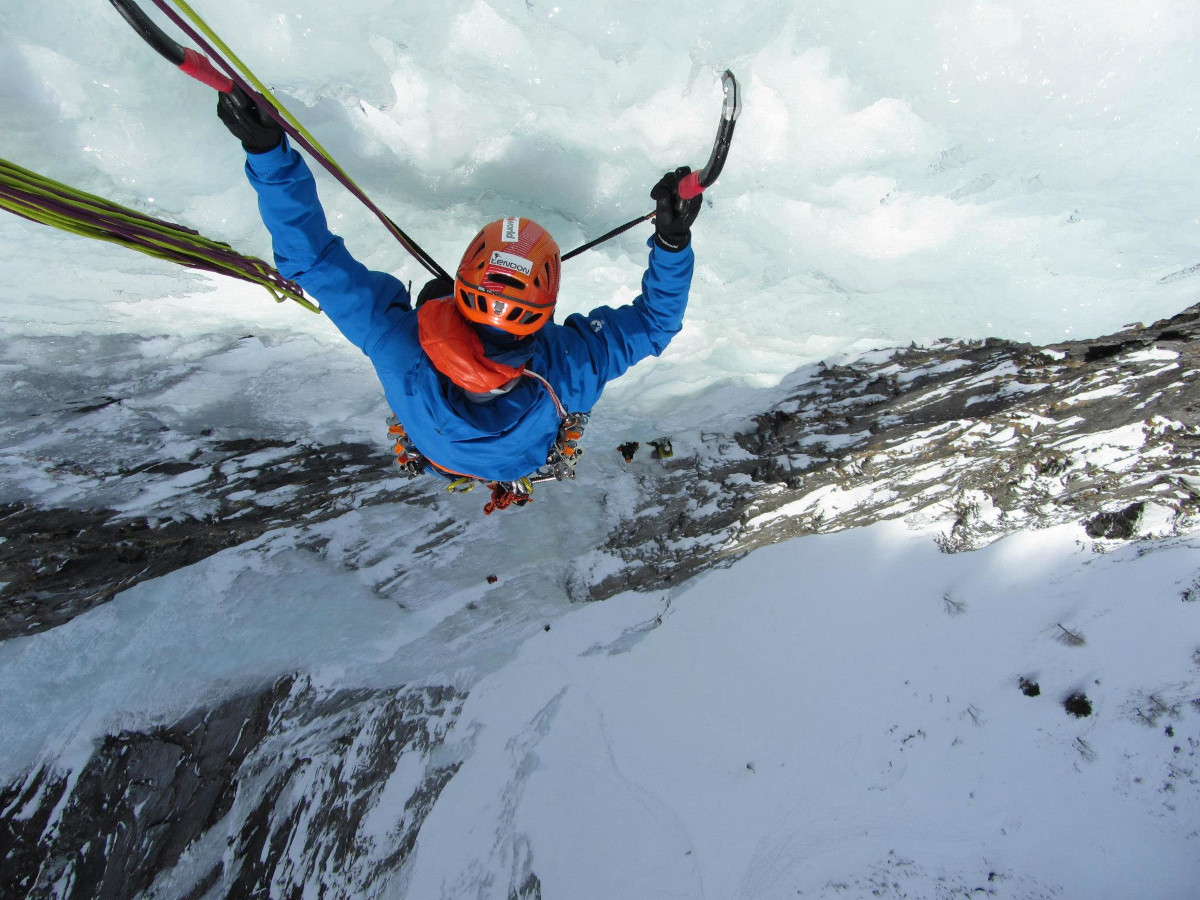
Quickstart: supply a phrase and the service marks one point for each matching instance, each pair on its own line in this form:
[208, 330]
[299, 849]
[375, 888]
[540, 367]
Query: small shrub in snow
[1192, 594]
[962, 535]
[1078, 705]
[953, 607]
[1070, 638]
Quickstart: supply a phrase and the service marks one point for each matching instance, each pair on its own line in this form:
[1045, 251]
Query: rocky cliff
[273, 791]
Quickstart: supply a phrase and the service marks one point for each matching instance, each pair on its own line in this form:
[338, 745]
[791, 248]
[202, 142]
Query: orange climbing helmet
[508, 278]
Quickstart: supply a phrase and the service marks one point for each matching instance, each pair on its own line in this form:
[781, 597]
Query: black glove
[674, 217]
[257, 131]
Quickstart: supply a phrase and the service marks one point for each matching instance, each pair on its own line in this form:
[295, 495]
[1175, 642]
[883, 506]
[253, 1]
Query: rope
[241, 75]
[40, 199]
[558, 404]
[609, 236]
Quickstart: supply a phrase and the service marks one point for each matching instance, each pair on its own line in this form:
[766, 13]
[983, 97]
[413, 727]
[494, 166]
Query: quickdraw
[560, 460]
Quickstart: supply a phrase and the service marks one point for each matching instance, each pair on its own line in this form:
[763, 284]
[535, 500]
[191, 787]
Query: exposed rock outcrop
[1003, 435]
[58, 562]
[994, 436]
[249, 779]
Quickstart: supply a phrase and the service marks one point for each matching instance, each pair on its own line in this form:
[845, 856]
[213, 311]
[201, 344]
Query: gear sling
[560, 460]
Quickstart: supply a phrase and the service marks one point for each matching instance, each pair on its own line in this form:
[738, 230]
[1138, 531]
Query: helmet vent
[473, 301]
[507, 281]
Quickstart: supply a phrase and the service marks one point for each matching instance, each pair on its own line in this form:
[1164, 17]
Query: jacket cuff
[659, 242]
[270, 160]
[665, 253]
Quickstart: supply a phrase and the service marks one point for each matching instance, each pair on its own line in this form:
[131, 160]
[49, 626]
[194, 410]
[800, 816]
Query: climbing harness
[457, 353]
[560, 464]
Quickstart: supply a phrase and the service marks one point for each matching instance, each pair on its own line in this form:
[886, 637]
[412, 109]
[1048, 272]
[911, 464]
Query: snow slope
[840, 716]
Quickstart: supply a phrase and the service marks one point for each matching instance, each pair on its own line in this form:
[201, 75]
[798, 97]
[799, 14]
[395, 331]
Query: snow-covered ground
[841, 716]
[836, 716]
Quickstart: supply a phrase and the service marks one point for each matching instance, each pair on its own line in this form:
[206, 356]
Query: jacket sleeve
[605, 343]
[363, 304]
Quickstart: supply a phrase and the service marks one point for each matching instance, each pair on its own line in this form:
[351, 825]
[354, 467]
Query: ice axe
[189, 61]
[694, 183]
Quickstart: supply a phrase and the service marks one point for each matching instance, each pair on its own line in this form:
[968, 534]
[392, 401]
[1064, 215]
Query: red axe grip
[689, 186]
[202, 70]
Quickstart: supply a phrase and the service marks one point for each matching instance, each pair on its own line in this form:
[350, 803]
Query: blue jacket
[505, 438]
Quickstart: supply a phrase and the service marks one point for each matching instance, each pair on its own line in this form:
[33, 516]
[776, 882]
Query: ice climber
[487, 385]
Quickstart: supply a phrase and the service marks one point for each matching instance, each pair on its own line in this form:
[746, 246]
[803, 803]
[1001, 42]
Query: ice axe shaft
[191, 62]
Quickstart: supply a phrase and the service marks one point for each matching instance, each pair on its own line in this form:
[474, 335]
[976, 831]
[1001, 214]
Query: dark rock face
[1120, 525]
[256, 775]
[150, 794]
[999, 436]
[530, 889]
[57, 563]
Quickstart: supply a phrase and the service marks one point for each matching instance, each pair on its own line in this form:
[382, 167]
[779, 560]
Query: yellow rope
[25, 193]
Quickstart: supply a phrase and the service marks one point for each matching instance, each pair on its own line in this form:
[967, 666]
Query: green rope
[40, 199]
